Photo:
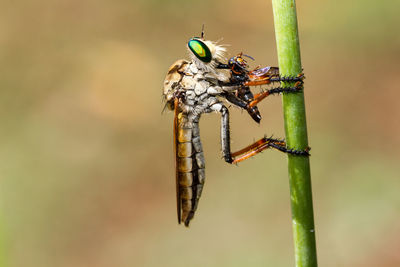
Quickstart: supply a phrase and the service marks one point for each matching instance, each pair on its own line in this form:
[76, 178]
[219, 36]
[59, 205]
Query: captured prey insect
[259, 76]
[198, 86]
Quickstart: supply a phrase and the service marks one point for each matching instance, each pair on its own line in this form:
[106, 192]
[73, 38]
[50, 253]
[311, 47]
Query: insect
[197, 86]
[259, 76]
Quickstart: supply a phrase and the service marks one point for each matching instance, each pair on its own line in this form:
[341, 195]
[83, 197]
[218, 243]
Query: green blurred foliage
[87, 173]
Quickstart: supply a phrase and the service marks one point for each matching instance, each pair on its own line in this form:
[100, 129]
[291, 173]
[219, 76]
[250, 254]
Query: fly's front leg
[223, 66]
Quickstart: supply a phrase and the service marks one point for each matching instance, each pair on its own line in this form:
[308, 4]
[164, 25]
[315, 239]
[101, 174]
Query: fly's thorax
[193, 68]
[188, 82]
[205, 81]
[199, 87]
[217, 76]
[172, 81]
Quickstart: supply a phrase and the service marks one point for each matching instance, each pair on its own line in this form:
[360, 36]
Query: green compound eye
[200, 50]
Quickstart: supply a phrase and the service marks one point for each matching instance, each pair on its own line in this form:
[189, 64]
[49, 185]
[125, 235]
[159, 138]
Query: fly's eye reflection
[200, 50]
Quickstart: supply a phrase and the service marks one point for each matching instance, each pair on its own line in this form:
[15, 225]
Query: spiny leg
[255, 80]
[265, 143]
[252, 149]
[247, 101]
[251, 103]
[277, 90]
[299, 78]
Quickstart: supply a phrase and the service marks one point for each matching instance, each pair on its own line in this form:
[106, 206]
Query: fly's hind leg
[225, 135]
[252, 149]
[264, 143]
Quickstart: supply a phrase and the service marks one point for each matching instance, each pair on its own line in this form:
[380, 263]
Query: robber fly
[196, 86]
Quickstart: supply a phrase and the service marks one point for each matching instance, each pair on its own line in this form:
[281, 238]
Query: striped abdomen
[245, 94]
[190, 173]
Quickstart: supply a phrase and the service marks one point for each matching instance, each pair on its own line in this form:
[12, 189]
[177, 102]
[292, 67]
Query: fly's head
[205, 54]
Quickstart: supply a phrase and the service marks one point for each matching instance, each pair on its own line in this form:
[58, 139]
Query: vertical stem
[285, 20]
[2, 244]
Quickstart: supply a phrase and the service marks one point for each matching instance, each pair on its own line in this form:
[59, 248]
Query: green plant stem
[3, 252]
[285, 20]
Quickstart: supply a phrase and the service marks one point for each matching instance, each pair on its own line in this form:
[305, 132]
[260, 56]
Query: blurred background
[86, 155]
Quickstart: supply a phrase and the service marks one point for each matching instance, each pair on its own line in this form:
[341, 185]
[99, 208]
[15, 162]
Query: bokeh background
[86, 160]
